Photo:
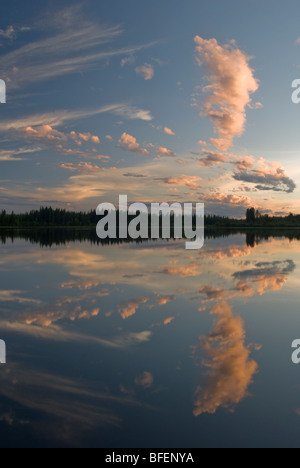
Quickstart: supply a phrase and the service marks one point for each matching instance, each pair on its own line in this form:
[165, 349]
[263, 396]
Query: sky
[173, 101]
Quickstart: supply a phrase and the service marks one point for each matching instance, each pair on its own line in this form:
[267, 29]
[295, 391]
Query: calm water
[148, 345]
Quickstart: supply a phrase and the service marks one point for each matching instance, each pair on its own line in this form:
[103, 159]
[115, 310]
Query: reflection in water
[62, 236]
[268, 276]
[124, 318]
[77, 411]
[129, 308]
[184, 271]
[145, 380]
[230, 368]
[265, 277]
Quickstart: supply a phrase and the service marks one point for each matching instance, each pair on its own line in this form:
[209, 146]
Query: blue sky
[104, 98]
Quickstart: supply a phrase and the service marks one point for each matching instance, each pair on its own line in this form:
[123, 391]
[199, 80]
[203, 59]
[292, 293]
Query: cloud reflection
[76, 407]
[230, 368]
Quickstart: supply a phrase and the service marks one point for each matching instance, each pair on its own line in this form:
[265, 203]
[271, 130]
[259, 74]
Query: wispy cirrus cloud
[132, 113]
[71, 47]
[232, 82]
[60, 117]
[14, 155]
[11, 32]
[17, 297]
[82, 168]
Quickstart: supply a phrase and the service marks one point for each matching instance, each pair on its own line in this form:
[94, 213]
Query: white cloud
[74, 47]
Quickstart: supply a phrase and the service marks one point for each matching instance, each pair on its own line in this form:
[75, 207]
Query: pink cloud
[83, 167]
[130, 308]
[243, 163]
[168, 131]
[146, 71]
[192, 182]
[161, 151]
[44, 133]
[89, 137]
[257, 105]
[164, 300]
[48, 136]
[130, 143]
[212, 158]
[230, 368]
[231, 84]
[168, 320]
[86, 137]
[99, 157]
[229, 200]
[183, 271]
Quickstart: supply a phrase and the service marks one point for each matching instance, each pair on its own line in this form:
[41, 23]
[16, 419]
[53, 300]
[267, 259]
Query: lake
[149, 345]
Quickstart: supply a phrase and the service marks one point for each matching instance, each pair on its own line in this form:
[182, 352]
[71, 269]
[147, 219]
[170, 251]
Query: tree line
[49, 217]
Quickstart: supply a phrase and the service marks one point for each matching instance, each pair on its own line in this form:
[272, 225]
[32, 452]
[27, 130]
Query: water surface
[149, 345]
